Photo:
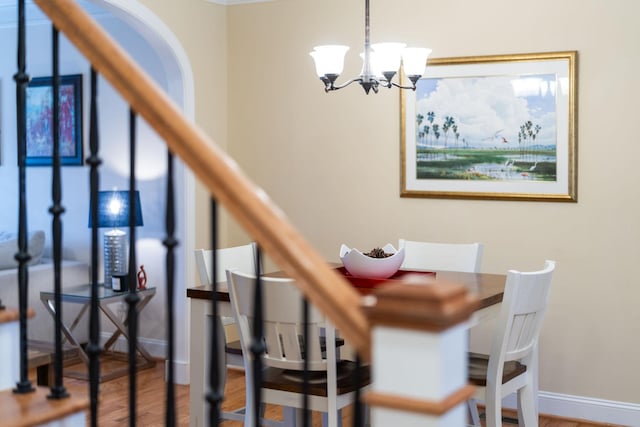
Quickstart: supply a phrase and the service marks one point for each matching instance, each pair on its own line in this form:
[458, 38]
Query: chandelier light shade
[329, 59]
[381, 62]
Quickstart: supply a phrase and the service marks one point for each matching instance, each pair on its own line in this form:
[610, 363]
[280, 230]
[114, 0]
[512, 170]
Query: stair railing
[227, 184]
[219, 173]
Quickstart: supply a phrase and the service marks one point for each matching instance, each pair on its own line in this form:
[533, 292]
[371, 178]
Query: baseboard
[584, 408]
[181, 372]
[157, 349]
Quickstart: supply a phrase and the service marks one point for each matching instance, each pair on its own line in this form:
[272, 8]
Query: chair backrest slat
[523, 306]
[283, 329]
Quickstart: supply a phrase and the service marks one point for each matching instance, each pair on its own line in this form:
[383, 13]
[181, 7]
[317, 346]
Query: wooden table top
[489, 287]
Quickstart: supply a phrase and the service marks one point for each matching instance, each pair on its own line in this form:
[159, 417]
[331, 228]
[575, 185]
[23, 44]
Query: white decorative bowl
[361, 265]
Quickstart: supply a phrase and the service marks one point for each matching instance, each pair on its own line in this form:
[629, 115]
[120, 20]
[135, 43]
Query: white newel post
[419, 354]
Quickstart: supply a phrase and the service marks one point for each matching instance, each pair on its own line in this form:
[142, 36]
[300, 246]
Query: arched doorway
[181, 89]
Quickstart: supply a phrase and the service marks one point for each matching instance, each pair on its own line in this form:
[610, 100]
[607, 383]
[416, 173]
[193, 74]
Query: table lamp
[113, 212]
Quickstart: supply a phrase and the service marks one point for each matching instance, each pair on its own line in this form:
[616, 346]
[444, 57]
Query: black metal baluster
[94, 349]
[170, 243]
[215, 394]
[57, 389]
[305, 364]
[132, 297]
[22, 256]
[258, 346]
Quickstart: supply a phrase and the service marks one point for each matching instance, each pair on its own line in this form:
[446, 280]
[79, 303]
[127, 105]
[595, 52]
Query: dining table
[488, 287]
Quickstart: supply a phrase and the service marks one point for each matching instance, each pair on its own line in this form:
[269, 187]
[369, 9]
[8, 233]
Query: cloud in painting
[486, 110]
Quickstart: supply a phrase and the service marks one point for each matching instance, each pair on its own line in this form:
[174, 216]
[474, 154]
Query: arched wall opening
[180, 88]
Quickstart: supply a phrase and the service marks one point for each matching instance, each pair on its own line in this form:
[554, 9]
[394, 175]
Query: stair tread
[10, 314]
[30, 409]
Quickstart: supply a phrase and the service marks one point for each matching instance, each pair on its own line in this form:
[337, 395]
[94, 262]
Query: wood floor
[113, 409]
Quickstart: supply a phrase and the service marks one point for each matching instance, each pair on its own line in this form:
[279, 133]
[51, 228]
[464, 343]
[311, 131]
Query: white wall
[201, 28]
[114, 137]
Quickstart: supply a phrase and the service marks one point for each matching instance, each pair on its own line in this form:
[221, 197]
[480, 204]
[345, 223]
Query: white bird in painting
[495, 136]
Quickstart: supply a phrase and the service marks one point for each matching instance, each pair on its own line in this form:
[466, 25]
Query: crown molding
[234, 2]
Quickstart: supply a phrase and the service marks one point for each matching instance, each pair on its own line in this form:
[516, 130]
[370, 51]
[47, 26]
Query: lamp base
[115, 256]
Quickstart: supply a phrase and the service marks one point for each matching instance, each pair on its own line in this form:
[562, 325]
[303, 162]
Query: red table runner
[360, 282]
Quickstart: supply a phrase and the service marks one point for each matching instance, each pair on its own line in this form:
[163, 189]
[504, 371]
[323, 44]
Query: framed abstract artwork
[492, 127]
[39, 117]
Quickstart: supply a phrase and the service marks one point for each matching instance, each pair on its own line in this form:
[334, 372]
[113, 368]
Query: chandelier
[381, 62]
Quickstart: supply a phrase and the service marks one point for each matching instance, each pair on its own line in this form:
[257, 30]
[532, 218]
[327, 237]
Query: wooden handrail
[249, 204]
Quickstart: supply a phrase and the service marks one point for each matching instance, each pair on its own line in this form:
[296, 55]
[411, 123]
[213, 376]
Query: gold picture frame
[499, 127]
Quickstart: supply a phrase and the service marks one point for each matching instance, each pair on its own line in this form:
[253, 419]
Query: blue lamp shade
[113, 209]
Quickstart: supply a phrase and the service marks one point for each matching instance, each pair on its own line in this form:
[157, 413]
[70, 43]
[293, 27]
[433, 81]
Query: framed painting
[492, 127]
[39, 115]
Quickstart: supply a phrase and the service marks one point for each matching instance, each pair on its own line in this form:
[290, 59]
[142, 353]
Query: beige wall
[332, 161]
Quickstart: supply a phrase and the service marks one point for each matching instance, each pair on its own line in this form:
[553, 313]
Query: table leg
[197, 362]
[122, 329]
[199, 354]
[141, 305]
[50, 306]
[77, 319]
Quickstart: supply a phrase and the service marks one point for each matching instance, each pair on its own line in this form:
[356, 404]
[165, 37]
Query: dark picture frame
[39, 115]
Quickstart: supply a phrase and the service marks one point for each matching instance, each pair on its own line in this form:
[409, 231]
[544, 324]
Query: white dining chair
[331, 383]
[512, 365]
[242, 258]
[466, 257]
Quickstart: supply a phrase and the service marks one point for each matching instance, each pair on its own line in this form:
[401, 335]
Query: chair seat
[234, 347]
[478, 366]
[292, 381]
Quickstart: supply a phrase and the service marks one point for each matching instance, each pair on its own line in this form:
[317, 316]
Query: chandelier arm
[412, 87]
[333, 86]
